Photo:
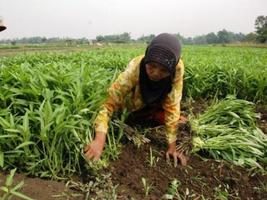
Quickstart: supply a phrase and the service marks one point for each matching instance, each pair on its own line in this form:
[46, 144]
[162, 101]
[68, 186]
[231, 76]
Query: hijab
[165, 50]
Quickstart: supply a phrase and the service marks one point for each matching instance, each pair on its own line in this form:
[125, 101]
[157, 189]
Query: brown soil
[40, 189]
[200, 179]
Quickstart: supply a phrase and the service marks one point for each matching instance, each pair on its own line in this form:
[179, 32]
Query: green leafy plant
[227, 130]
[146, 186]
[152, 160]
[10, 190]
[172, 191]
[221, 194]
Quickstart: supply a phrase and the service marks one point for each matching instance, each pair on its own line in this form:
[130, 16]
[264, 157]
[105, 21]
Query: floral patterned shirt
[125, 93]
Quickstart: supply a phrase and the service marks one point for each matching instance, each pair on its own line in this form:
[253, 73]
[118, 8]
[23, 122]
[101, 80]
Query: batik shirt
[125, 93]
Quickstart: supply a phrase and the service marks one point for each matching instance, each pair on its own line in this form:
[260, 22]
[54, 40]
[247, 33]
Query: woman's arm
[116, 94]
[171, 104]
[171, 108]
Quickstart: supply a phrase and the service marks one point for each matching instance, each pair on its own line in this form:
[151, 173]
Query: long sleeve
[171, 104]
[117, 93]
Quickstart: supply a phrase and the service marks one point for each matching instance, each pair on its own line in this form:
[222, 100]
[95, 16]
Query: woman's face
[156, 72]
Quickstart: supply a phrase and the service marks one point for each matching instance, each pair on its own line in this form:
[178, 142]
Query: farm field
[49, 101]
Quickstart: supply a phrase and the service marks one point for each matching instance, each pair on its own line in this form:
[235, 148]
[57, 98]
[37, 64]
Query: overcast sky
[89, 18]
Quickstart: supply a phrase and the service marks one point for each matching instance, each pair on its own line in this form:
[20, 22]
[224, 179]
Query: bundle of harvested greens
[227, 130]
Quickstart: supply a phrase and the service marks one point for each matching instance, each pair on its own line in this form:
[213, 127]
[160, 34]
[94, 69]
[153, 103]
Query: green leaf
[20, 195]
[9, 179]
[7, 136]
[5, 189]
[4, 123]
[24, 144]
[26, 122]
[18, 186]
[1, 159]
[12, 130]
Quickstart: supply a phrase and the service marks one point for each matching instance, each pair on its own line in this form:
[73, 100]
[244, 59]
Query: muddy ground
[200, 179]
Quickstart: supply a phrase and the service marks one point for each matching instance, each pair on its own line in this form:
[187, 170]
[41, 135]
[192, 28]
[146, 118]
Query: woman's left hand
[175, 154]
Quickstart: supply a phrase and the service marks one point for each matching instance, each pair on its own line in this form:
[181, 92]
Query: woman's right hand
[176, 155]
[94, 150]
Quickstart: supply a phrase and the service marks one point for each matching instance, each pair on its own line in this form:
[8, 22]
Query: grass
[147, 187]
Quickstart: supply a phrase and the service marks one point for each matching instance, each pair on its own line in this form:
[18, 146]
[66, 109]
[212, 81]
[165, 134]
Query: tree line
[221, 37]
[44, 40]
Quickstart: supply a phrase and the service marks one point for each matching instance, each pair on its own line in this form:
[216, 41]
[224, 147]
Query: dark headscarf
[165, 50]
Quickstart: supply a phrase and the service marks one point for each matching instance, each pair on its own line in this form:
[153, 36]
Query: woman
[150, 88]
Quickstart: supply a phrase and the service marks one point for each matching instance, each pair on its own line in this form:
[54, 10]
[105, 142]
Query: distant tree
[183, 39]
[147, 39]
[238, 36]
[100, 38]
[211, 38]
[33, 40]
[225, 37]
[44, 40]
[82, 41]
[251, 37]
[121, 38]
[69, 41]
[125, 37]
[13, 42]
[261, 28]
[188, 40]
[201, 39]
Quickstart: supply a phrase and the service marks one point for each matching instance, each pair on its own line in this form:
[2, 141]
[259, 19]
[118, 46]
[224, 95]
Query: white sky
[89, 18]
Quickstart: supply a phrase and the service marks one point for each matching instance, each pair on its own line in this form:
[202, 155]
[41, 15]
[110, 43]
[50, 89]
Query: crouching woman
[150, 88]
